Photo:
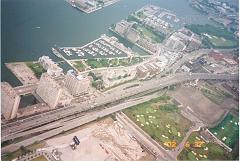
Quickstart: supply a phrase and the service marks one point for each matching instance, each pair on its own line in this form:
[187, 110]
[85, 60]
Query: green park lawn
[97, 63]
[150, 34]
[100, 63]
[161, 119]
[221, 42]
[79, 65]
[36, 68]
[218, 37]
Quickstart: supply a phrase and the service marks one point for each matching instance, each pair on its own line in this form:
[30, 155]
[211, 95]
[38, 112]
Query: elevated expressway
[121, 97]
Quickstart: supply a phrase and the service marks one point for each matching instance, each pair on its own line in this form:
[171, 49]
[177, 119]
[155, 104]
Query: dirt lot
[104, 140]
[207, 111]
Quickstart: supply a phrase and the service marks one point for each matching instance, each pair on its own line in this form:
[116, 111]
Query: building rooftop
[8, 89]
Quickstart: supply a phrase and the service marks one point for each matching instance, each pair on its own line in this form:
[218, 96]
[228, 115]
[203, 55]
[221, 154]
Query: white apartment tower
[53, 92]
[76, 84]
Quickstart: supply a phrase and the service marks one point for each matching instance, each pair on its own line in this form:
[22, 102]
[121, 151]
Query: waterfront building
[122, 27]
[51, 67]
[76, 84]
[117, 76]
[53, 92]
[9, 101]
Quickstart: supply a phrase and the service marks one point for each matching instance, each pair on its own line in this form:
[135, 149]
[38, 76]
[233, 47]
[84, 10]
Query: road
[112, 95]
[25, 89]
[76, 122]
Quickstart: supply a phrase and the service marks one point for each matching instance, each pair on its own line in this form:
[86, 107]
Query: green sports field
[227, 130]
[207, 151]
[161, 119]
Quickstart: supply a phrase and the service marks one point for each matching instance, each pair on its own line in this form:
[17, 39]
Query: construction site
[102, 140]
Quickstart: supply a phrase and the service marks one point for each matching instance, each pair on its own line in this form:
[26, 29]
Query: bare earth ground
[104, 140]
[22, 72]
[207, 111]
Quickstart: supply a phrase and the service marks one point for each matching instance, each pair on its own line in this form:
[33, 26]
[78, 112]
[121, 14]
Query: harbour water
[31, 27]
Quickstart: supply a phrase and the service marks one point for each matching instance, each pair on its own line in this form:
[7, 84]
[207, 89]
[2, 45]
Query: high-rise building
[76, 84]
[9, 100]
[53, 92]
[51, 67]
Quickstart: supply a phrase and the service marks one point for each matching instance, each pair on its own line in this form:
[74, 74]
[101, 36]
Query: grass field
[206, 151]
[100, 63]
[41, 158]
[113, 62]
[227, 130]
[149, 33]
[161, 119]
[214, 94]
[95, 63]
[79, 65]
[36, 68]
[216, 37]
[11, 156]
[221, 42]
[127, 62]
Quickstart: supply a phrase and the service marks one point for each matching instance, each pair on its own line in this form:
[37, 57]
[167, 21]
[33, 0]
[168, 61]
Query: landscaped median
[161, 119]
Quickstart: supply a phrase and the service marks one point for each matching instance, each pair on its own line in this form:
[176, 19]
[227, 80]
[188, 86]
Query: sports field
[197, 149]
[161, 119]
[227, 130]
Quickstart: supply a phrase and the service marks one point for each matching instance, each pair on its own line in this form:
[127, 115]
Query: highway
[78, 121]
[112, 95]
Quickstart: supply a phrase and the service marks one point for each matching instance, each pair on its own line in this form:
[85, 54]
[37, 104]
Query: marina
[103, 47]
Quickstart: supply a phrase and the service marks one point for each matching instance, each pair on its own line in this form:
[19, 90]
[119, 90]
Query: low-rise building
[175, 43]
[142, 71]
[147, 45]
[51, 67]
[185, 68]
[76, 84]
[53, 92]
[9, 101]
[117, 76]
[183, 39]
